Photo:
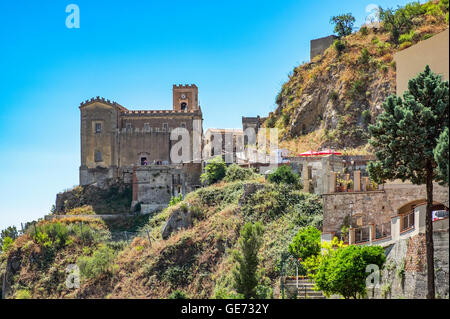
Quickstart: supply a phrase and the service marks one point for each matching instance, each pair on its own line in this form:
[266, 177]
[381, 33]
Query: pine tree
[441, 156]
[405, 136]
[245, 272]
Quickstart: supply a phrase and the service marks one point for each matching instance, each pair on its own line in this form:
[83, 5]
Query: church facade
[116, 141]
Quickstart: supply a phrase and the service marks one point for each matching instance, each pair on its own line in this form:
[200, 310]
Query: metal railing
[383, 230]
[362, 234]
[407, 221]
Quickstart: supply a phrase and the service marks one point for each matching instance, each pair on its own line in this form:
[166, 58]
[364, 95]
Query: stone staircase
[305, 288]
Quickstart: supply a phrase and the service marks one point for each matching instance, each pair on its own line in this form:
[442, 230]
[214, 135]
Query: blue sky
[237, 52]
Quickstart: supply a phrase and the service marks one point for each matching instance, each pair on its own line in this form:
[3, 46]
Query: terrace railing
[383, 230]
[407, 222]
[362, 234]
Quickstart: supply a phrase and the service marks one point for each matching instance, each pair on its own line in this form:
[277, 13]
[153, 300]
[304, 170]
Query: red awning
[325, 152]
[309, 153]
[329, 152]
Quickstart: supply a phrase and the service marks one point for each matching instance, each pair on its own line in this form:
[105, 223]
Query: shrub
[285, 118]
[407, 37]
[339, 46]
[343, 271]
[364, 31]
[175, 200]
[405, 45]
[366, 117]
[334, 95]
[100, 263]
[7, 244]
[23, 294]
[178, 294]
[271, 120]
[214, 171]
[284, 175]
[358, 88]
[237, 173]
[364, 58]
[51, 234]
[306, 243]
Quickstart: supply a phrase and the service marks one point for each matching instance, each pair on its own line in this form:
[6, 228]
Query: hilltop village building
[135, 146]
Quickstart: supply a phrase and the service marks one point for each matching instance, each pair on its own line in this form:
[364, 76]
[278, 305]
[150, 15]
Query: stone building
[224, 142]
[115, 141]
[318, 46]
[314, 171]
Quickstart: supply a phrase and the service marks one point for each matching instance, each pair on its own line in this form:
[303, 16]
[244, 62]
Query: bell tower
[185, 97]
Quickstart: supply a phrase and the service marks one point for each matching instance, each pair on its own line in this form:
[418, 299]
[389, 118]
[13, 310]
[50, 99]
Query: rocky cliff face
[342, 91]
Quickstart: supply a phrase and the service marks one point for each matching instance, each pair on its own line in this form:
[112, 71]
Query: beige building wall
[411, 61]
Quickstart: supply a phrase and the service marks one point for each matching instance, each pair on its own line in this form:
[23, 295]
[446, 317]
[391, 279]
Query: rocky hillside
[194, 260]
[331, 100]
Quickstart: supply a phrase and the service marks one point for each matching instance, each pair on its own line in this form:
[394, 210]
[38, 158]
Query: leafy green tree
[9, 234]
[245, 273]
[405, 136]
[441, 156]
[306, 243]
[214, 171]
[397, 22]
[284, 175]
[343, 24]
[343, 271]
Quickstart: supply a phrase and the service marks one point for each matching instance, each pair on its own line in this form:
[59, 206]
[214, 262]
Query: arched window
[183, 106]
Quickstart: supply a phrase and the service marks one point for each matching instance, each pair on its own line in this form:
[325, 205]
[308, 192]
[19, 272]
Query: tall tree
[441, 156]
[245, 272]
[405, 136]
[343, 24]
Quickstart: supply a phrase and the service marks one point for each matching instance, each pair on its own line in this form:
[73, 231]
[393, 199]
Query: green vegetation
[343, 271]
[339, 45]
[7, 237]
[23, 294]
[441, 156]
[285, 175]
[178, 294]
[401, 21]
[100, 263]
[343, 24]
[214, 171]
[405, 136]
[245, 271]
[236, 173]
[366, 117]
[175, 200]
[306, 243]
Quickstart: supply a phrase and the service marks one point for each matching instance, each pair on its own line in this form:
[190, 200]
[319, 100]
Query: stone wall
[154, 186]
[318, 46]
[377, 206]
[404, 274]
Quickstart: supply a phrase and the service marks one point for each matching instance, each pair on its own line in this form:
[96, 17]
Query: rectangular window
[98, 127]
[183, 125]
[147, 127]
[128, 126]
[98, 156]
[165, 127]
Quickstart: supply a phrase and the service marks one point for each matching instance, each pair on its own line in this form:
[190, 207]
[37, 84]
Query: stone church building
[135, 145]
